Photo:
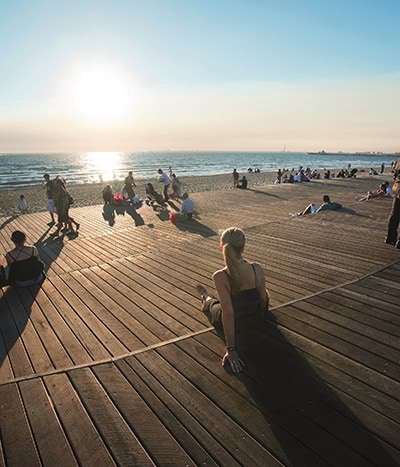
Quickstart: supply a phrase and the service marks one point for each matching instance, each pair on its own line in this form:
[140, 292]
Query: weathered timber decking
[111, 362]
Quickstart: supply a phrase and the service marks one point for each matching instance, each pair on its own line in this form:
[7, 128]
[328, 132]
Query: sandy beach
[90, 194]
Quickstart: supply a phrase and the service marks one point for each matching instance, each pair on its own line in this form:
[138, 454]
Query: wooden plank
[117, 435]
[110, 343]
[16, 352]
[154, 318]
[50, 438]
[376, 341]
[191, 435]
[85, 440]
[72, 346]
[152, 434]
[237, 441]
[288, 317]
[21, 307]
[291, 378]
[19, 447]
[79, 328]
[124, 326]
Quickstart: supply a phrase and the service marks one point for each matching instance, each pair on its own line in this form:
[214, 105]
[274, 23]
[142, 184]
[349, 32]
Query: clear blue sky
[171, 51]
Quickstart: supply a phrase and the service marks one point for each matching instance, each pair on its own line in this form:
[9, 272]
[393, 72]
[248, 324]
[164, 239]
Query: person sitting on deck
[186, 211]
[25, 267]
[243, 298]
[153, 199]
[242, 183]
[381, 191]
[327, 205]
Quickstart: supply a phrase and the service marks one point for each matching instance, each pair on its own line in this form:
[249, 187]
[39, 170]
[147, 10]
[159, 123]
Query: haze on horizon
[229, 75]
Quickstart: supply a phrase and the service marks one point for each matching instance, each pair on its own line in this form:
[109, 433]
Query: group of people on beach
[154, 199]
[242, 299]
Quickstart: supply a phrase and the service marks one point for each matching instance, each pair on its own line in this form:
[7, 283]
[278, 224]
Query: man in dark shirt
[50, 192]
[328, 205]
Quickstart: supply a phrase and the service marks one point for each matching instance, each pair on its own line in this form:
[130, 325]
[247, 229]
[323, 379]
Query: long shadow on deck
[110, 212]
[260, 192]
[302, 410]
[194, 226]
[15, 309]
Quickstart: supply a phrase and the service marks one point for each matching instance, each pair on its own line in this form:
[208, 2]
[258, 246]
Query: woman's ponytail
[232, 241]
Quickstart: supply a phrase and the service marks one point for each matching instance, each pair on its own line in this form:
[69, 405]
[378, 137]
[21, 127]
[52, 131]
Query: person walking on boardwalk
[242, 296]
[163, 178]
[51, 194]
[63, 203]
[235, 178]
[129, 184]
[394, 216]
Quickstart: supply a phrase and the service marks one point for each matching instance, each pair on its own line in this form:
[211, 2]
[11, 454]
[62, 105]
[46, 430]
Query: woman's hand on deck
[232, 357]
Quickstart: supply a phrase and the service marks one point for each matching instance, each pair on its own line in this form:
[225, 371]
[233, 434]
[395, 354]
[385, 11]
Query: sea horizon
[22, 170]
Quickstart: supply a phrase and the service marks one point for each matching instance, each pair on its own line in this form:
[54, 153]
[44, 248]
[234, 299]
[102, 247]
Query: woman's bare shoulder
[221, 273]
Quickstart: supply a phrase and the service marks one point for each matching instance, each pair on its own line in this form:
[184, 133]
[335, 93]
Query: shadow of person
[49, 247]
[314, 422]
[260, 192]
[138, 219]
[163, 215]
[350, 211]
[8, 220]
[15, 309]
[109, 214]
[173, 205]
[194, 226]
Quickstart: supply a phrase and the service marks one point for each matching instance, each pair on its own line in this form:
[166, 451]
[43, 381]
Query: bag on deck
[118, 199]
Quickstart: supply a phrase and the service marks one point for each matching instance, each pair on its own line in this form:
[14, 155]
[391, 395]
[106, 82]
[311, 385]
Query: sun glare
[100, 95]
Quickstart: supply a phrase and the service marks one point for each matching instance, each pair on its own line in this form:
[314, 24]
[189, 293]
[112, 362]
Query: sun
[100, 95]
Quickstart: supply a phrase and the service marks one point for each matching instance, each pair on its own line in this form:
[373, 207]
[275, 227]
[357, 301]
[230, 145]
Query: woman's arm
[222, 286]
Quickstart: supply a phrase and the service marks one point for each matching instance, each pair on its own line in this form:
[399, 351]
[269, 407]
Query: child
[22, 204]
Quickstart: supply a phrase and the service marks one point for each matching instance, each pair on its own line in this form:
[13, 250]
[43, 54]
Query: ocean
[26, 170]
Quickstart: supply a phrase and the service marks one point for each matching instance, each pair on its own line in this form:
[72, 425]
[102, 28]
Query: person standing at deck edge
[243, 298]
[394, 217]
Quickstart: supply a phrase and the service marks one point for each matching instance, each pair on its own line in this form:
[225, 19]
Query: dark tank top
[245, 304]
[25, 270]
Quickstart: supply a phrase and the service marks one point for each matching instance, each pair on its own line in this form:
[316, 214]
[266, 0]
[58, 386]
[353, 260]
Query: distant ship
[340, 153]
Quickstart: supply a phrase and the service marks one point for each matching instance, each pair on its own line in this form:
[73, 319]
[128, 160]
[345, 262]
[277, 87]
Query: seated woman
[243, 298]
[381, 191]
[25, 268]
[242, 184]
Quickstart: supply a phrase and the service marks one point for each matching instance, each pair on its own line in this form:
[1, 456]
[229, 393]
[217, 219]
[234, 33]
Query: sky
[127, 75]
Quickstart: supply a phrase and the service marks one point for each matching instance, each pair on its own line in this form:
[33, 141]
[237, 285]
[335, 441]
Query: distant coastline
[20, 171]
[360, 154]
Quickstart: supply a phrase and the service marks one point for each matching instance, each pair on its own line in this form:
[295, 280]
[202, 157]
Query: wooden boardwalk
[111, 362]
